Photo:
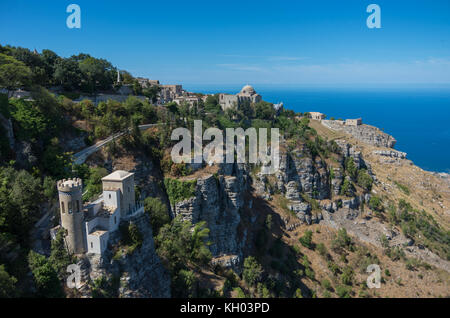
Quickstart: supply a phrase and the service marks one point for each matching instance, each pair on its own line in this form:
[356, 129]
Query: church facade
[247, 94]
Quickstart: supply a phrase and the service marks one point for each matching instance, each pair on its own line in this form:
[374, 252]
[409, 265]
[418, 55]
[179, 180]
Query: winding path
[81, 156]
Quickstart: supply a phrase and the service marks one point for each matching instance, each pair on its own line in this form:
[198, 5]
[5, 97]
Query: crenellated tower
[71, 211]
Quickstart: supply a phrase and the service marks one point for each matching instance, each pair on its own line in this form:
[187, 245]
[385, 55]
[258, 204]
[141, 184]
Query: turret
[71, 211]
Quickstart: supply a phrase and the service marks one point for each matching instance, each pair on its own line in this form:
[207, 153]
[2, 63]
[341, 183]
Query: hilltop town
[87, 179]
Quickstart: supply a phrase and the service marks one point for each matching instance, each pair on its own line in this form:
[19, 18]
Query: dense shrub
[158, 212]
[179, 190]
[253, 271]
[306, 239]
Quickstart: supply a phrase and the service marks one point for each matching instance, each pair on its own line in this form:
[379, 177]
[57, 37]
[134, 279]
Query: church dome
[247, 89]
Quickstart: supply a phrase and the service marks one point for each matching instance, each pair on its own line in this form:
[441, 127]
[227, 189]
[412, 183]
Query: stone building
[247, 93]
[88, 226]
[146, 83]
[353, 122]
[317, 115]
[169, 92]
[191, 100]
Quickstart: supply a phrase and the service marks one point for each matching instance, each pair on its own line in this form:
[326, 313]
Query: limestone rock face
[142, 273]
[311, 176]
[24, 154]
[300, 174]
[336, 182]
[368, 134]
[218, 201]
[348, 151]
[391, 153]
[8, 127]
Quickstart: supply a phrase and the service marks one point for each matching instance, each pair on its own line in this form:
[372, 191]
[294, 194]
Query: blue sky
[259, 42]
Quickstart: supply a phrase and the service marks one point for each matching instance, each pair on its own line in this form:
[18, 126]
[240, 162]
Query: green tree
[7, 284]
[49, 188]
[253, 271]
[347, 276]
[306, 239]
[185, 284]
[178, 245]
[59, 257]
[13, 73]
[264, 110]
[347, 188]
[212, 104]
[365, 180]
[351, 168]
[151, 93]
[158, 212]
[45, 276]
[375, 204]
[199, 242]
[67, 74]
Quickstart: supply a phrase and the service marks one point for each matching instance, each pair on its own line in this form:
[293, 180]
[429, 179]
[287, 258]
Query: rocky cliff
[219, 200]
[141, 272]
[368, 134]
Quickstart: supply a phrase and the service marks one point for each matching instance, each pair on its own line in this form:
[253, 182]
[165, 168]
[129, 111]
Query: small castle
[88, 226]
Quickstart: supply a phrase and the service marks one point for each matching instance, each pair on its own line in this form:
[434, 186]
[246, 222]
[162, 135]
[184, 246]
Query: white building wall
[97, 244]
[111, 198]
[114, 220]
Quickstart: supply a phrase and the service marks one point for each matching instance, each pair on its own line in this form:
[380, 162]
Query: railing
[138, 209]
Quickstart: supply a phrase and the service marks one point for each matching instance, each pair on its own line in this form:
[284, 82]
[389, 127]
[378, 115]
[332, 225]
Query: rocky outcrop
[310, 176]
[391, 154]
[300, 174]
[218, 201]
[24, 154]
[370, 230]
[8, 127]
[337, 180]
[368, 134]
[349, 151]
[141, 273]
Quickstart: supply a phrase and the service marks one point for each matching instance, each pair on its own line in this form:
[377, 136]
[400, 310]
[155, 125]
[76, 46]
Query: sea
[418, 117]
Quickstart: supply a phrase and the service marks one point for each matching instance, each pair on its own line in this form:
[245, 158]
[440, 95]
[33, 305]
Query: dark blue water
[419, 118]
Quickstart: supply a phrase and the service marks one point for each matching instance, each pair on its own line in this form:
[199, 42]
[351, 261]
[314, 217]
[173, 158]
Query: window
[115, 221]
[128, 189]
[110, 195]
[92, 245]
[78, 206]
[70, 207]
[62, 207]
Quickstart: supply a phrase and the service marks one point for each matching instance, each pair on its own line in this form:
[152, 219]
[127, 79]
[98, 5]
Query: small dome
[247, 89]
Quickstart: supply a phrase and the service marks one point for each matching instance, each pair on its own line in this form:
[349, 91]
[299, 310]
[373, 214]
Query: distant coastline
[416, 117]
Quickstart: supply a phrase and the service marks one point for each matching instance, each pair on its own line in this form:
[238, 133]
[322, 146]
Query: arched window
[62, 207]
[70, 207]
